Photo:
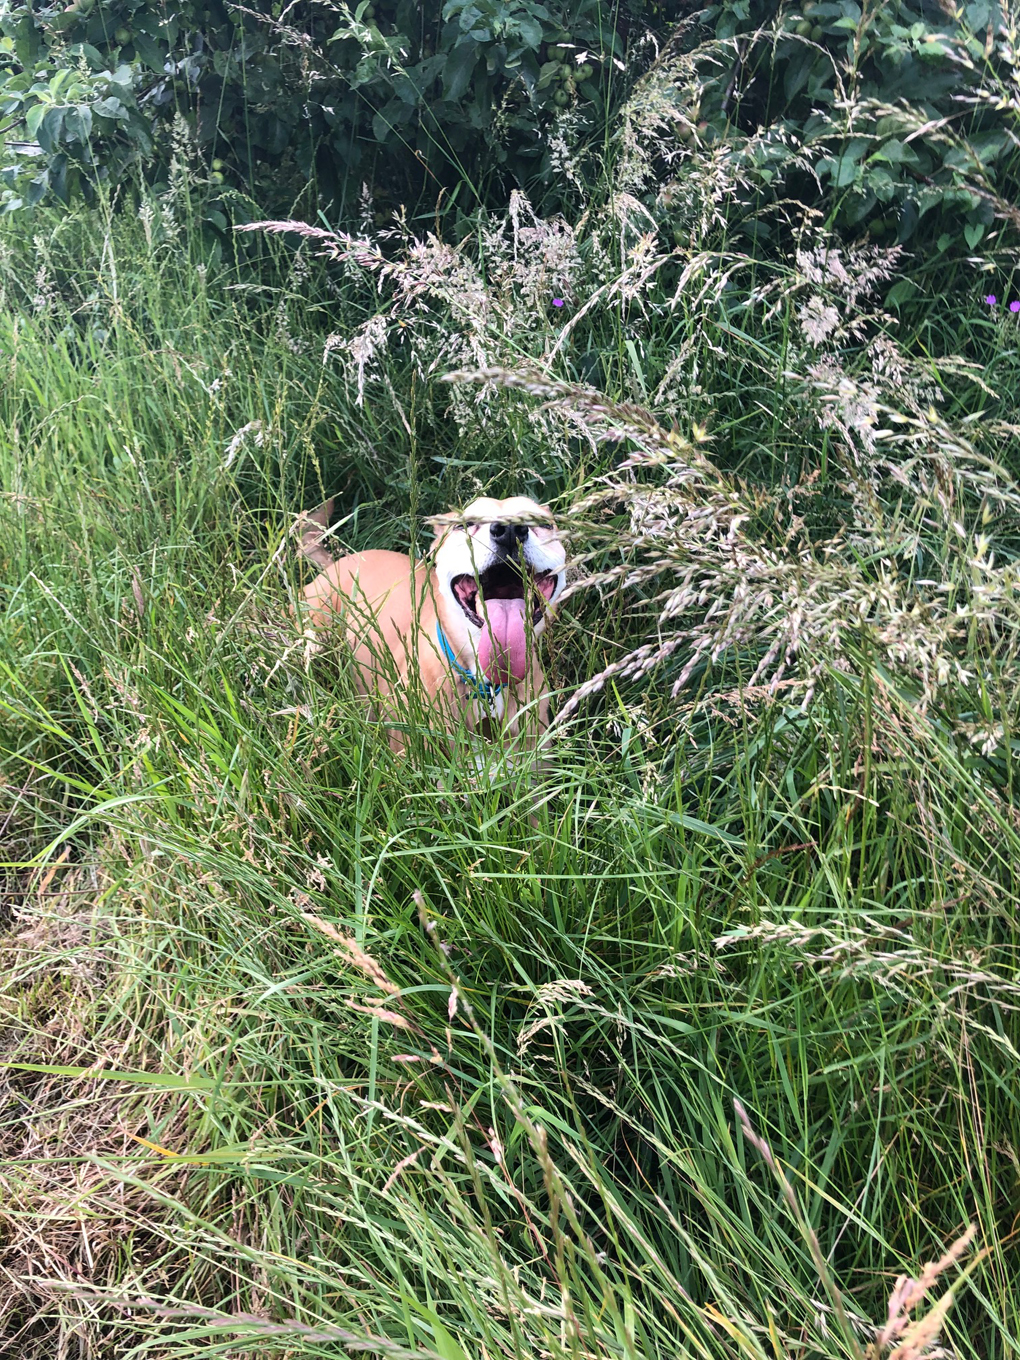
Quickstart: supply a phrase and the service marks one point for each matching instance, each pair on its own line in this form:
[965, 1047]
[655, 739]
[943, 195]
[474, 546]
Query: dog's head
[500, 567]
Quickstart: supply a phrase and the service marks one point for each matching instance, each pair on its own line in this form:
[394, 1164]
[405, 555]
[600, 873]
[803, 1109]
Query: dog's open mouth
[503, 581]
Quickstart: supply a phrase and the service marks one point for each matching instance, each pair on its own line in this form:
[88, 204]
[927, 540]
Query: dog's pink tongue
[502, 648]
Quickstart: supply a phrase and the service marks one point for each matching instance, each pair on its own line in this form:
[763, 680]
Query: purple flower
[1014, 306]
[558, 302]
[990, 299]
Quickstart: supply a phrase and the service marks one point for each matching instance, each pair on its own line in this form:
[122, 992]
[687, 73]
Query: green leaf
[589, 90]
[896, 152]
[33, 118]
[858, 207]
[880, 183]
[58, 176]
[37, 188]
[111, 107]
[989, 145]
[460, 65]
[58, 81]
[91, 54]
[531, 31]
[973, 232]
[980, 13]
[931, 51]
[166, 1081]
[842, 170]
[407, 88]
[51, 128]
[547, 73]
[845, 172]
[149, 52]
[797, 71]
[382, 126]
[445, 1344]
[703, 828]
[909, 218]
[900, 292]
[78, 124]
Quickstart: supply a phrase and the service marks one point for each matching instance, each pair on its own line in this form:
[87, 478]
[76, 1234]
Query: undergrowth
[310, 1050]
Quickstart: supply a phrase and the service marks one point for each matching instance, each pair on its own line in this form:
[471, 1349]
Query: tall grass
[308, 1050]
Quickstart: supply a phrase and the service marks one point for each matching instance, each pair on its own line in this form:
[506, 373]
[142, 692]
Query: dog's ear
[311, 527]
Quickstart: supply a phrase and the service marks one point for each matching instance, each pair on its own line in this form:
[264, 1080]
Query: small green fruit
[217, 164]
[370, 11]
[566, 70]
[216, 177]
[122, 36]
[561, 98]
[817, 33]
[585, 72]
[803, 29]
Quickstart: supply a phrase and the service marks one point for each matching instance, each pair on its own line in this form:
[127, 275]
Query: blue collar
[478, 686]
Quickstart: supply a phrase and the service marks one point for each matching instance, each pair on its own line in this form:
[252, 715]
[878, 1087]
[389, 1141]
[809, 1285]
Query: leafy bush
[421, 98]
[885, 116]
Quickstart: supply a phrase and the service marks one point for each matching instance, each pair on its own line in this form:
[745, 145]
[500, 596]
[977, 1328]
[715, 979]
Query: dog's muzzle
[506, 578]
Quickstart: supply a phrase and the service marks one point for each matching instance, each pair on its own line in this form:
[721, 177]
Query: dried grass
[65, 1216]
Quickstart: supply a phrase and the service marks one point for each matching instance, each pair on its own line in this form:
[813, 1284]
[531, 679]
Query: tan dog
[466, 620]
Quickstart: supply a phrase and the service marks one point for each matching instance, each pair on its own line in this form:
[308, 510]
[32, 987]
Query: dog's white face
[500, 567]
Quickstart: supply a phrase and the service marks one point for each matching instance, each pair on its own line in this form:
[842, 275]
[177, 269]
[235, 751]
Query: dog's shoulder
[375, 575]
[376, 564]
[373, 569]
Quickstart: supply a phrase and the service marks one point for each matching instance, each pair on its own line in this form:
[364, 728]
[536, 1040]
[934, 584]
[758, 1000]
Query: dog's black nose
[505, 537]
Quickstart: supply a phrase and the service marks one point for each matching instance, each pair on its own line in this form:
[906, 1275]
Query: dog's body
[465, 621]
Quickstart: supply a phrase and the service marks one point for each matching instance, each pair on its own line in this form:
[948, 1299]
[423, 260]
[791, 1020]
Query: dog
[464, 622]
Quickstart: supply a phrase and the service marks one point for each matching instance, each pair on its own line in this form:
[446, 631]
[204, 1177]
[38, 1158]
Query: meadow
[306, 1050]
